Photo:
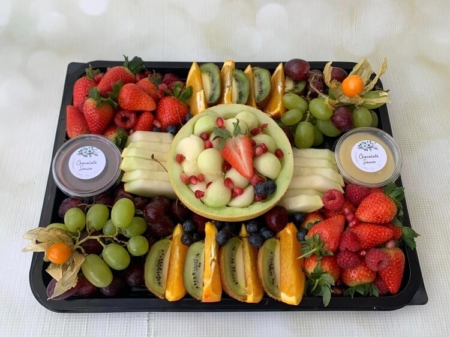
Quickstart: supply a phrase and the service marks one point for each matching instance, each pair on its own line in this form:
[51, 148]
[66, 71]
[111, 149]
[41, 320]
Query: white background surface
[39, 38]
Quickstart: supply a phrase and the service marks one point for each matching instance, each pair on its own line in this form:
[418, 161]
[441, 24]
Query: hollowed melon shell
[232, 213]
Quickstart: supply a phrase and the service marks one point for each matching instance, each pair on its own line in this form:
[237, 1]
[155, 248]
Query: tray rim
[417, 293]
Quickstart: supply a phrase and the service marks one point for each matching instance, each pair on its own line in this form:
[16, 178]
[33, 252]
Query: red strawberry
[144, 122]
[82, 86]
[382, 288]
[371, 235]
[131, 97]
[376, 208]
[238, 152]
[75, 122]
[396, 230]
[355, 193]
[97, 111]
[328, 264]
[172, 110]
[329, 231]
[311, 219]
[149, 87]
[117, 135]
[125, 73]
[393, 274]
[358, 275]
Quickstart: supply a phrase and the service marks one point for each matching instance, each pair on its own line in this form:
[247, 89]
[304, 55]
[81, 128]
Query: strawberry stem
[136, 65]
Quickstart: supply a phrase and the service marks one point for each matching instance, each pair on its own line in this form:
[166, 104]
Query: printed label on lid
[369, 156]
[87, 162]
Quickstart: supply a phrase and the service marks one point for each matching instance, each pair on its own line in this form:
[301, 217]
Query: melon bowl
[232, 214]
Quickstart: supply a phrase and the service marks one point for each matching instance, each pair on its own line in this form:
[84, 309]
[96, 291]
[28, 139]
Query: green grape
[327, 128]
[320, 109]
[292, 117]
[137, 227]
[318, 136]
[122, 213]
[137, 245]
[374, 116]
[361, 117]
[75, 219]
[372, 94]
[293, 101]
[331, 94]
[96, 271]
[109, 228]
[58, 225]
[96, 216]
[304, 135]
[116, 256]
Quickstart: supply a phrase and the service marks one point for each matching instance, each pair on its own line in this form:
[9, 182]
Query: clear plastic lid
[368, 157]
[86, 166]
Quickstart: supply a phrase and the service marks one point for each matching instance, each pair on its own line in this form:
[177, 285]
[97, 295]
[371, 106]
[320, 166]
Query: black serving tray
[412, 291]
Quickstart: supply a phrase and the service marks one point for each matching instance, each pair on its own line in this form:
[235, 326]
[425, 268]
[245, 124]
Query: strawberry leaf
[319, 284]
[408, 236]
[313, 246]
[136, 65]
[185, 94]
[365, 289]
[236, 129]
[90, 73]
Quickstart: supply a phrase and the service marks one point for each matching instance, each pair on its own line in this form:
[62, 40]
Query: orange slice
[275, 106]
[251, 95]
[292, 278]
[197, 102]
[226, 79]
[212, 286]
[175, 289]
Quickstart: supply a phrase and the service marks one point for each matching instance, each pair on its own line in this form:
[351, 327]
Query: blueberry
[233, 227]
[189, 226]
[222, 237]
[261, 189]
[301, 234]
[266, 232]
[271, 186]
[298, 218]
[186, 239]
[188, 117]
[256, 240]
[156, 129]
[196, 237]
[253, 226]
[172, 129]
[220, 225]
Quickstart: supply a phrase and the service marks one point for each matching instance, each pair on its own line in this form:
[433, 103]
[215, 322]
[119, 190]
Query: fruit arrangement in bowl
[230, 191]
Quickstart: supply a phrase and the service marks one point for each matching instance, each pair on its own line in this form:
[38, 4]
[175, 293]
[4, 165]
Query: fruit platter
[185, 186]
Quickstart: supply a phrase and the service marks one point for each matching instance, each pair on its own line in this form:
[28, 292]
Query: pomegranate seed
[201, 177]
[228, 183]
[362, 253]
[263, 126]
[184, 178]
[226, 167]
[264, 147]
[207, 185]
[219, 122]
[193, 180]
[233, 195]
[238, 191]
[350, 217]
[208, 144]
[256, 179]
[256, 131]
[204, 136]
[179, 158]
[346, 211]
[157, 123]
[279, 153]
[258, 151]
[353, 223]
[390, 244]
[199, 194]
[253, 142]
[258, 197]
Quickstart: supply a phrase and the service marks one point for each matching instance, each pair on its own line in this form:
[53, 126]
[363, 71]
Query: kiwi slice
[156, 266]
[211, 82]
[240, 87]
[263, 84]
[269, 267]
[193, 269]
[232, 269]
[296, 87]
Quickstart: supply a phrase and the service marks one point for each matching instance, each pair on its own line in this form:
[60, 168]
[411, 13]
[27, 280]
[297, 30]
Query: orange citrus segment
[253, 287]
[175, 289]
[292, 278]
[251, 101]
[212, 286]
[275, 107]
[226, 79]
[197, 102]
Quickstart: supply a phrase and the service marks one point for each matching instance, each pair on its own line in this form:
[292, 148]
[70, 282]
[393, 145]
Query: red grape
[276, 218]
[342, 119]
[63, 296]
[115, 287]
[338, 74]
[134, 275]
[297, 69]
[91, 246]
[180, 211]
[85, 288]
[69, 203]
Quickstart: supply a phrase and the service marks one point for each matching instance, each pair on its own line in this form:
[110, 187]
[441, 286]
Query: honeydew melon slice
[315, 154]
[143, 153]
[292, 192]
[266, 139]
[145, 174]
[313, 162]
[302, 203]
[150, 188]
[323, 171]
[227, 213]
[315, 182]
[155, 147]
[150, 136]
[136, 163]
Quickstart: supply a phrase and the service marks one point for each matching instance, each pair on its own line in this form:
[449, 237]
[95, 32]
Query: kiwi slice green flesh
[194, 266]
[211, 82]
[240, 87]
[296, 87]
[156, 266]
[271, 267]
[262, 81]
[233, 262]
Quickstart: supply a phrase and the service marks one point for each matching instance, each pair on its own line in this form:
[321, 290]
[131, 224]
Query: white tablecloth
[39, 38]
